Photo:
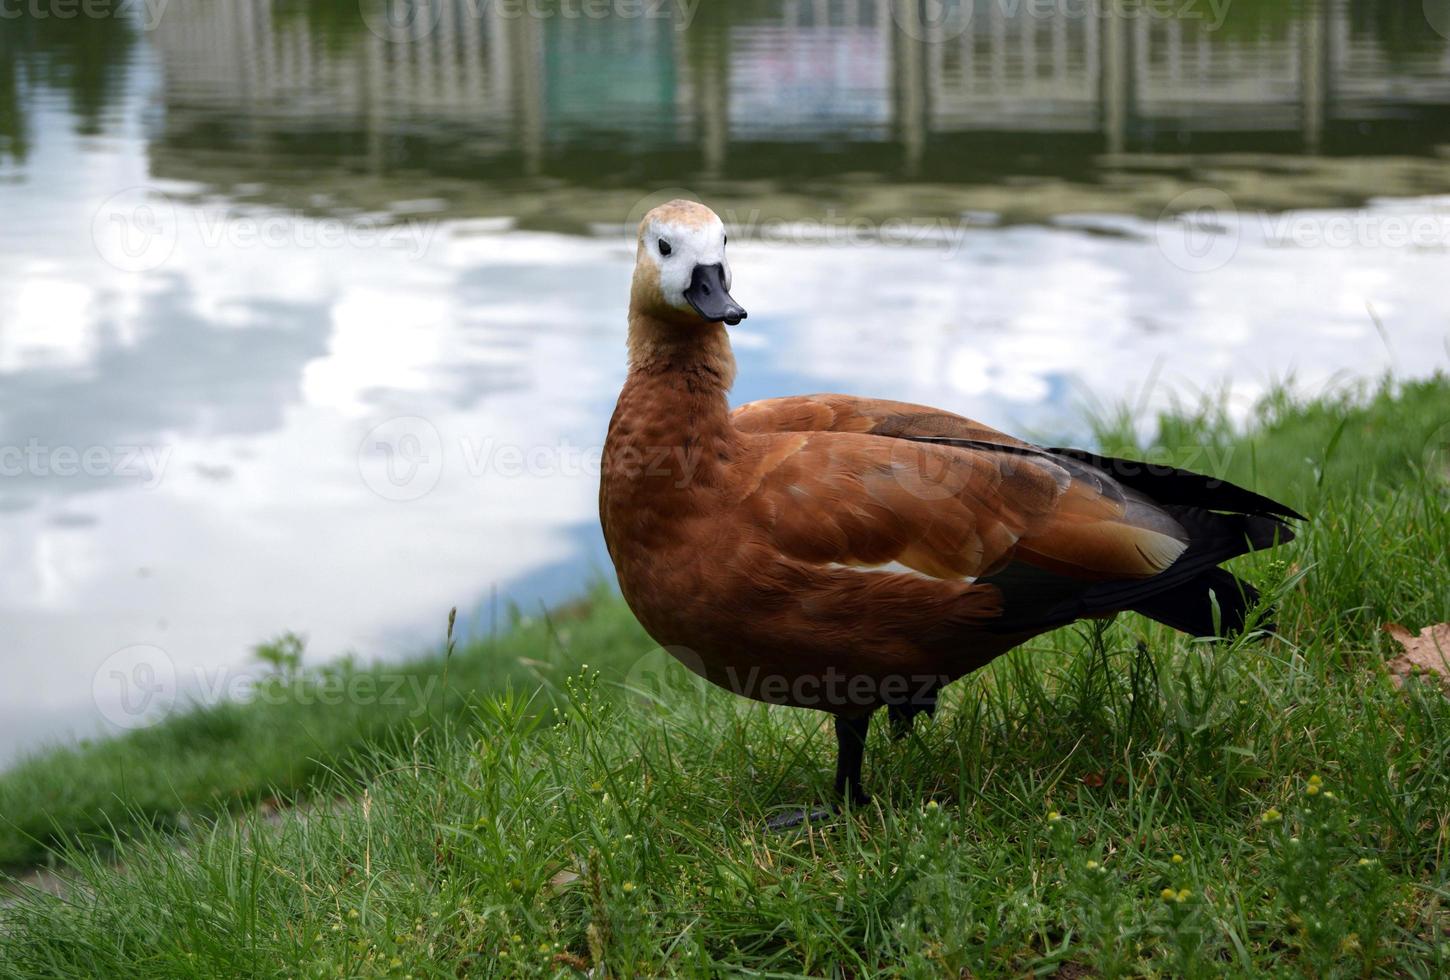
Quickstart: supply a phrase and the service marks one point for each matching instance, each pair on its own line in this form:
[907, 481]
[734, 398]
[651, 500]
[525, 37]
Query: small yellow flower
[1092, 866]
[544, 948]
[628, 887]
[352, 913]
[1271, 815]
[1329, 794]
[1315, 780]
[1178, 859]
[516, 939]
[1312, 789]
[1365, 862]
[932, 805]
[1168, 894]
[1184, 895]
[1053, 816]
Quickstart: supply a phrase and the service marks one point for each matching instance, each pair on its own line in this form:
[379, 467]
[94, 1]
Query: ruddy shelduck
[846, 553]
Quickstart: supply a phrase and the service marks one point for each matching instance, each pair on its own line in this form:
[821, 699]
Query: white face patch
[687, 246]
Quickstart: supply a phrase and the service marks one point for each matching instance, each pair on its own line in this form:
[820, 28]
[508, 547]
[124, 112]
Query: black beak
[708, 296]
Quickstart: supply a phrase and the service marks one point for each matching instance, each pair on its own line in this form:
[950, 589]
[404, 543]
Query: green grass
[611, 816]
[300, 731]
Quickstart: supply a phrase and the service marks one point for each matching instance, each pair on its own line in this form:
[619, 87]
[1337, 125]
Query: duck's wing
[951, 510]
[870, 416]
[1166, 485]
[1055, 530]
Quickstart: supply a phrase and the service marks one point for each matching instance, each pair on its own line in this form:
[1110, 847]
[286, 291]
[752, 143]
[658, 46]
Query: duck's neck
[697, 356]
[673, 410]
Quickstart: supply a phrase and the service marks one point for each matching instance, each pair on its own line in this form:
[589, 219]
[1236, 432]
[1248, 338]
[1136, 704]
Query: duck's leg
[903, 716]
[850, 753]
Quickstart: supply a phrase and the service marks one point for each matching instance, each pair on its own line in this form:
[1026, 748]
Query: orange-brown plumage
[893, 546]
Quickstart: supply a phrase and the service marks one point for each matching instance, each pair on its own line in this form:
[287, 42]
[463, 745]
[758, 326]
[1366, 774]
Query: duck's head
[681, 274]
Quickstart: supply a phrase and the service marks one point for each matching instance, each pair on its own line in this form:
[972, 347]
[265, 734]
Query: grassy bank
[1111, 798]
[299, 731]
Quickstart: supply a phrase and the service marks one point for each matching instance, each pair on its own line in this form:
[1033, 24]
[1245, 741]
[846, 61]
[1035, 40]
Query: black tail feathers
[1193, 594]
[1216, 603]
[1172, 486]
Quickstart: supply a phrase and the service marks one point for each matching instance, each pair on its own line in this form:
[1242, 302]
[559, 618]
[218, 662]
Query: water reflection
[249, 242]
[491, 108]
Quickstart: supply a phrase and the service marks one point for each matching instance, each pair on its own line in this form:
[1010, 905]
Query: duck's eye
[725, 240]
[664, 247]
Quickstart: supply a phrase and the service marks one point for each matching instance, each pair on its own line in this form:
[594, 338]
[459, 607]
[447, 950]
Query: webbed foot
[791, 819]
[802, 816]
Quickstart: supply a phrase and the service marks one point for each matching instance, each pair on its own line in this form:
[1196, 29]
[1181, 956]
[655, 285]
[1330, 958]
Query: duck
[849, 554]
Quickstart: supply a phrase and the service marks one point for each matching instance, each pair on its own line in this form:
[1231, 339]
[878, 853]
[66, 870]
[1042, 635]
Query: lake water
[312, 312]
